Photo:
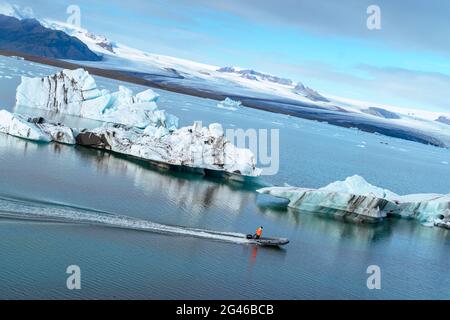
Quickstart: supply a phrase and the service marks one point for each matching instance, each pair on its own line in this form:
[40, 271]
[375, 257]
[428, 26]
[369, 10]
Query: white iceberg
[359, 200]
[194, 147]
[229, 104]
[34, 129]
[74, 92]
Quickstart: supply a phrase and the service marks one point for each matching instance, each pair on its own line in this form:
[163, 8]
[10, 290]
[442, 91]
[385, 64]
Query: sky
[324, 44]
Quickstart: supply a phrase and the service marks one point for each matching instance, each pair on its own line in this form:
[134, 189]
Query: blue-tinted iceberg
[74, 92]
[356, 199]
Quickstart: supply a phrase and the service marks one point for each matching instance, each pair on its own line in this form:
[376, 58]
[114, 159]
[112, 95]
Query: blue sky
[324, 44]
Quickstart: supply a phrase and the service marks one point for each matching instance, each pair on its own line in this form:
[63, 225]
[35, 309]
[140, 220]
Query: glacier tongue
[34, 129]
[194, 146]
[359, 200]
[75, 92]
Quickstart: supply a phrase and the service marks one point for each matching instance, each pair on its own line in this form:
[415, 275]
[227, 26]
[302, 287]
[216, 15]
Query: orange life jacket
[259, 232]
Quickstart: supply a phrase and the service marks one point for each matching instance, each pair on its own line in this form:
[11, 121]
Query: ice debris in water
[75, 92]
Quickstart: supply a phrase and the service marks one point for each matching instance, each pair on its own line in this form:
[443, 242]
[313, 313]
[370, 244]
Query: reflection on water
[18, 146]
[326, 258]
[335, 227]
[187, 190]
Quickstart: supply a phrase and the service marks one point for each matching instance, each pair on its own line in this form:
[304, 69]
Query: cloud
[406, 25]
[431, 89]
[389, 85]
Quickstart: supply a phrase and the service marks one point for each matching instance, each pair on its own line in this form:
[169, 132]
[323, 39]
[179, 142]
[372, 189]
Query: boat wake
[23, 209]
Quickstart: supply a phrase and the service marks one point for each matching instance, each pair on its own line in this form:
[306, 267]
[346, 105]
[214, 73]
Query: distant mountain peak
[13, 10]
[309, 93]
[256, 75]
[443, 119]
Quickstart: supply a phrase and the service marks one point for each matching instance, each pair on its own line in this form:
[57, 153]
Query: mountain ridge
[29, 36]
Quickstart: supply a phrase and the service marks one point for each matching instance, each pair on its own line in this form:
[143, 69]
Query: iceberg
[196, 147]
[74, 92]
[57, 131]
[444, 220]
[357, 200]
[425, 208]
[351, 206]
[35, 129]
[229, 104]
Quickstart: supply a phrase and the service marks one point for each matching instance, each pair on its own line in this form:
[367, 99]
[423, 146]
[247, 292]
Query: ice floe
[75, 92]
[356, 199]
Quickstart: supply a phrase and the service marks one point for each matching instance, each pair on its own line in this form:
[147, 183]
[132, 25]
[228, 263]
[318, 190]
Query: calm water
[325, 259]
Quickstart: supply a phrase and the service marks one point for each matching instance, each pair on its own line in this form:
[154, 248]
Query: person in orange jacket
[258, 233]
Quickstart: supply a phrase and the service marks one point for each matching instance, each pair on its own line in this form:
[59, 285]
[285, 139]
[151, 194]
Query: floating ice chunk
[443, 220]
[355, 197]
[58, 132]
[15, 125]
[194, 146]
[351, 206]
[75, 92]
[229, 104]
[36, 129]
[422, 207]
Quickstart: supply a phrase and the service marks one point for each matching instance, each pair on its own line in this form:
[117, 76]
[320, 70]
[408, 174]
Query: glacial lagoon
[326, 258]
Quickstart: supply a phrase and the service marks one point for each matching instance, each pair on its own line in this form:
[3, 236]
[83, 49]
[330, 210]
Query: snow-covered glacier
[35, 129]
[75, 92]
[194, 146]
[357, 200]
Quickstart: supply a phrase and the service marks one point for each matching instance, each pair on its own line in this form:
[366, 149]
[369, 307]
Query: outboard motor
[249, 236]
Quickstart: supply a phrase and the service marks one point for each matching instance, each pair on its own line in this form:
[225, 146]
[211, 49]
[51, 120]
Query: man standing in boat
[258, 233]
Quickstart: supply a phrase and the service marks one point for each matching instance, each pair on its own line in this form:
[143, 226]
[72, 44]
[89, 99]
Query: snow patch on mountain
[255, 75]
[16, 11]
[309, 93]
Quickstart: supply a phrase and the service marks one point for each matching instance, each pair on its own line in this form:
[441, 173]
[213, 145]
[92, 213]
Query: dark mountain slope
[30, 37]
